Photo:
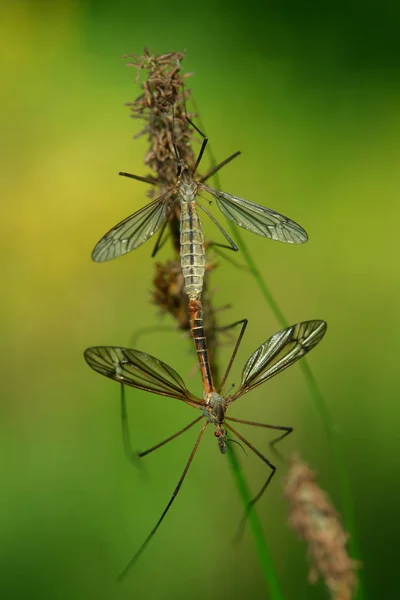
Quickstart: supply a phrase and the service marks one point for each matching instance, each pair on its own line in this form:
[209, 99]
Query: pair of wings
[145, 372]
[139, 227]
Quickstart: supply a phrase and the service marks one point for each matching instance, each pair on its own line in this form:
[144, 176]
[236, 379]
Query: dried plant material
[168, 292]
[164, 93]
[315, 520]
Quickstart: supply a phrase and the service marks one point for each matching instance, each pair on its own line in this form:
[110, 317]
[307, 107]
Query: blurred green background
[310, 94]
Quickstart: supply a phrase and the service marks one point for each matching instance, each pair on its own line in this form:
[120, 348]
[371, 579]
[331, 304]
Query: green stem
[319, 402]
[323, 411]
[264, 555]
[263, 552]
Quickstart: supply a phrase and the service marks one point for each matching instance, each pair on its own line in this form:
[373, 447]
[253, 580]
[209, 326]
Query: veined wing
[139, 370]
[258, 219]
[132, 231]
[279, 352]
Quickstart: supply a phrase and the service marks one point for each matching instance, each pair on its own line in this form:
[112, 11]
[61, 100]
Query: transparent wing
[279, 352]
[258, 219]
[132, 231]
[138, 369]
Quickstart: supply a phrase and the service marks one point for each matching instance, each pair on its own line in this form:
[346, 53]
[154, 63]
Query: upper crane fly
[143, 224]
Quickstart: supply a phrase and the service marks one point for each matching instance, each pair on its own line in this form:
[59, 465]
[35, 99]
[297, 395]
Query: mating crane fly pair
[145, 372]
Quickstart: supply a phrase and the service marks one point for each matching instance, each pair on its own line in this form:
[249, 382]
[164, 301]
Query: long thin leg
[160, 242]
[203, 145]
[132, 456]
[264, 487]
[174, 495]
[232, 245]
[216, 248]
[236, 348]
[200, 156]
[272, 443]
[175, 147]
[144, 179]
[203, 135]
[145, 330]
[219, 166]
[220, 309]
[171, 437]
[242, 322]
[202, 149]
[224, 162]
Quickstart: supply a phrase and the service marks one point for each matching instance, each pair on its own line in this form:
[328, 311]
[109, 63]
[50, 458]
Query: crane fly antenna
[160, 520]
[229, 440]
[244, 323]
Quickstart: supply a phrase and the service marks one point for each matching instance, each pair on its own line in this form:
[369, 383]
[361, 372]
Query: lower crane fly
[145, 372]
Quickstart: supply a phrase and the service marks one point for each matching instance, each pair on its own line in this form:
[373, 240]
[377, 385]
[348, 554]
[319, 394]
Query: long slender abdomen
[199, 338]
[193, 258]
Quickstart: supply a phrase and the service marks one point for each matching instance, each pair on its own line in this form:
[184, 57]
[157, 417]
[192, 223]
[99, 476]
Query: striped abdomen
[199, 338]
[193, 258]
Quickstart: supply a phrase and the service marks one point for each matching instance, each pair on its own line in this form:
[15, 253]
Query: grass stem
[346, 499]
[264, 556]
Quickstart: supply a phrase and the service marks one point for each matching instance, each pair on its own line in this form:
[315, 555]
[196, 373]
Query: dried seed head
[163, 105]
[168, 292]
[314, 519]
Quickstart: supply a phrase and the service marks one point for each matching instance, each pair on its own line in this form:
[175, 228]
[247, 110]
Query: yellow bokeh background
[314, 106]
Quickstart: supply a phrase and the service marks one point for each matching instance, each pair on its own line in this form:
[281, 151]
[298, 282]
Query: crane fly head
[220, 434]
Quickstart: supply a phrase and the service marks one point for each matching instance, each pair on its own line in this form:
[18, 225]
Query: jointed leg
[219, 166]
[232, 245]
[286, 431]
[235, 263]
[174, 495]
[160, 242]
[263, 458]
[168, 439]
[146, 330]
[236, 348]
[132, 456]
[138, 178]
[264, 487]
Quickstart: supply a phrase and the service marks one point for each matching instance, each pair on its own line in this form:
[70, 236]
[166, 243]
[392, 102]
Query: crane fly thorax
[187, 185]
[214, 408]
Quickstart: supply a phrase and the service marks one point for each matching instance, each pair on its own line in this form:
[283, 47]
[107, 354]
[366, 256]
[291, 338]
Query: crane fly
[145, 372]
[143, 224]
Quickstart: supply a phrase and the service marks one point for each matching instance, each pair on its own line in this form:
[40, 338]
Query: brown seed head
[314, 519]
